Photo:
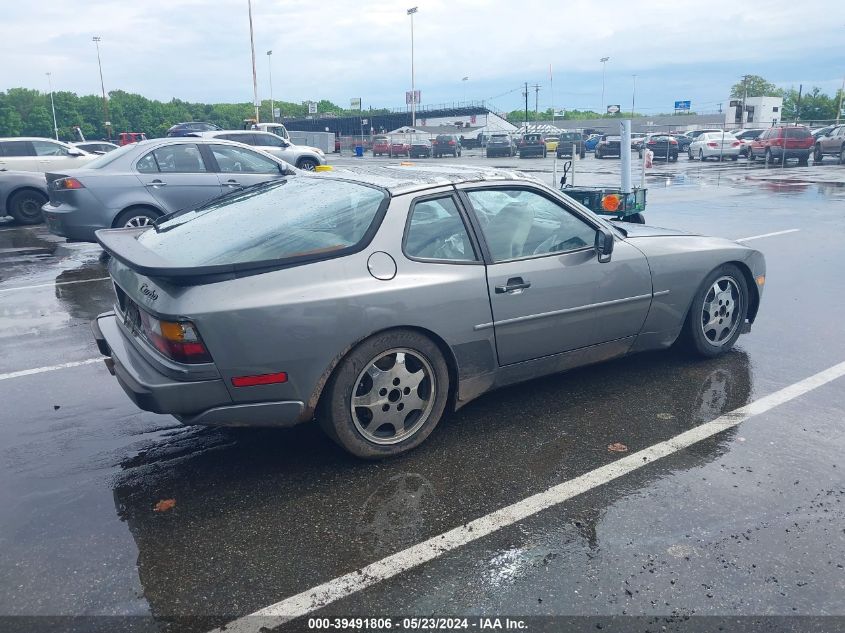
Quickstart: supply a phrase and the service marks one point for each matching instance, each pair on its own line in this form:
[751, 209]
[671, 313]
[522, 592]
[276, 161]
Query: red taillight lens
[711, 144]
[451, 142]
[68, 183]
[178, 340]
[261, 379]
[673, 142]
[735, 144]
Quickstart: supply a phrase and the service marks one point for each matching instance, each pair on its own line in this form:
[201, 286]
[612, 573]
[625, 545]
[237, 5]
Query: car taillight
[673, 142]
[451, 142]
[735, 144]
[178, 340]
[712, 144]
[68, 183]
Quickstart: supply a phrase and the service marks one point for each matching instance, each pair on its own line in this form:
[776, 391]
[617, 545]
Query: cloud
[337, 49]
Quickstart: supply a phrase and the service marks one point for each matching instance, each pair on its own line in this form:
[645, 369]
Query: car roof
[31, 138]
[401, 179]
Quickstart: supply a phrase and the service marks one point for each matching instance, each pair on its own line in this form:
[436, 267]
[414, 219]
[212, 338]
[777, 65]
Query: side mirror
[75, 152]
[604, 244]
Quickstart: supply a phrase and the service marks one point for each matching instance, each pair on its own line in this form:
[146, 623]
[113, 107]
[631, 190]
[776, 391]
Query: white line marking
[343, 586]
[55, 283]
[757, 237]
[41, 370]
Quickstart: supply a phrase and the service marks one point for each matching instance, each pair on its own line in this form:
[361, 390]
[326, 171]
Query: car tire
[673, 158]
[634, 218]
[842, 155]
[598, 155]
[730, 307]
[307, 164]
[689, 154]
[817, 155]
[751, 157]
[701, 155]
[769, 159]
[583, 155]
[734, 158]
[135, 217]
[25, 206]
[351, 426]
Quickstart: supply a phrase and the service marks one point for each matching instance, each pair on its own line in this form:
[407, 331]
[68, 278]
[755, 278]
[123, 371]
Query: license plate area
[131, 316]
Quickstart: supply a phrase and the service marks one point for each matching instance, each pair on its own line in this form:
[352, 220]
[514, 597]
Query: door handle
[232, 183]
[156, 183]
[514, 285]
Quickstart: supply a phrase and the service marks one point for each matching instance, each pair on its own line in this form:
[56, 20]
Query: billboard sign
[682, 105]
[312, 107]
[412, 97]
[613, 109]
[355, 103]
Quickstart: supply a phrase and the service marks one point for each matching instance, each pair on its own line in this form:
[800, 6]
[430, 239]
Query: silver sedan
[138, 183]
[375, 300]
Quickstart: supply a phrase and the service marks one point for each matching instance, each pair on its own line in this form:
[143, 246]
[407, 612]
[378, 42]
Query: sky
[199, 50]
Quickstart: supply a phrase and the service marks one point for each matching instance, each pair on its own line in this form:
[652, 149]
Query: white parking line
[757, 237]
[322, 595]
[41, 370]
[55, 283]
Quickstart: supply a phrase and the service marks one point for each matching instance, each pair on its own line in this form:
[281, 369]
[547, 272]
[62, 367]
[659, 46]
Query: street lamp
[463, 81]
[270, 70]
[411, 12]
[97, 39]
[603, 61]
[53, 105]
[633, 96]
[255, 101]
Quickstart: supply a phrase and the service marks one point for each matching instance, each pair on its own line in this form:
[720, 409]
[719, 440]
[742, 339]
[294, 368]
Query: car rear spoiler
[123, 245]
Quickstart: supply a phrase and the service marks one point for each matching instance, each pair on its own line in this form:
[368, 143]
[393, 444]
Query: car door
[18, 155]
[548, 292]
[831, 142]
[51, 155]
[239, 167]
[177, 177]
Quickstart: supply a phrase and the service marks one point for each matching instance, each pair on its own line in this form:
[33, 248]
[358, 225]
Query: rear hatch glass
[290, 219]
[797, 132]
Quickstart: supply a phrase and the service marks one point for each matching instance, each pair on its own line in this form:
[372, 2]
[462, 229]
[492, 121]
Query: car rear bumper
[191, 402]
[532, 151]
[75, 222]
[779, 152]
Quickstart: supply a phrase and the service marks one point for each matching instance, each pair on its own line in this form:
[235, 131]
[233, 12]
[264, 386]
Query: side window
[246, 139]
[520, 223]
[232, 159]
[179, 159]
[147, 165]
[436, 231]
[174, 159]
[46, 148]
[268, 140]
[18, 148]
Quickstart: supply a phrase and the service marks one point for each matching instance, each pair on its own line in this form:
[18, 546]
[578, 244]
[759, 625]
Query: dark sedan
[533, 145]
[609, 145]
[662, 146]
[22, 193]
[192, 127]
[500, 145]
[420, 149]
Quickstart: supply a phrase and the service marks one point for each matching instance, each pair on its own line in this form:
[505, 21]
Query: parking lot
[731, 502]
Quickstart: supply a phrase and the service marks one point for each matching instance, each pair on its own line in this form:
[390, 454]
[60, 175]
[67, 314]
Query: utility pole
[255, 101]
[96, 39]
[411, 12]
[744, 97]
[633, 96]
[720, 108]
[53, 105]
[798, 106]
[603, 61]
[525, 94]
[270, 69]
[536, 101]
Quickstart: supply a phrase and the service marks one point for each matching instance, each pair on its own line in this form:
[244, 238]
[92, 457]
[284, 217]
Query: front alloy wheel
[720, 311]
[717, 312]
[138, 221]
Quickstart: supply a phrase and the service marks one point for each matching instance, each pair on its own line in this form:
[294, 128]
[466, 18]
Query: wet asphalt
[747, 523]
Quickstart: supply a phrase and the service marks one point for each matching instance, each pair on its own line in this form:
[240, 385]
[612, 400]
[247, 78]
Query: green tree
[11, 123]
[757, 86]
[815, 105]
[38, 123]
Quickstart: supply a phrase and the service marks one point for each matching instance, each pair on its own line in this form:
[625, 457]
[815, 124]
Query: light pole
[97, 39]
[53, 105]
[255, 101]
[633, 96]
[603, 61]
[270, 70]
[841, 94]
[411, 12]
[464, 82]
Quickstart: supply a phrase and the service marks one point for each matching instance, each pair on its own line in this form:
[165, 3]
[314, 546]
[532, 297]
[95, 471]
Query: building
[759, 112]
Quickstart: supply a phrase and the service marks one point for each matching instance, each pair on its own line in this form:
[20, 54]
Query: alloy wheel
[138, 221]
[720, 314]
[393, 396]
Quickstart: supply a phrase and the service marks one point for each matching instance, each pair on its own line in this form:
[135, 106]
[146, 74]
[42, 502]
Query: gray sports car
[376, 299]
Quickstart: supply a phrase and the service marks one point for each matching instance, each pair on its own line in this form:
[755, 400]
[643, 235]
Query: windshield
[287, 219]
[570, 136]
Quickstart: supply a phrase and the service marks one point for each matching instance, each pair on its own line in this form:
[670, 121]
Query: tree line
[25, 112]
